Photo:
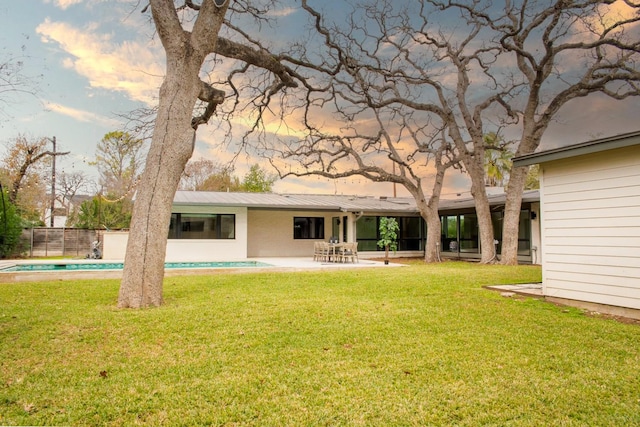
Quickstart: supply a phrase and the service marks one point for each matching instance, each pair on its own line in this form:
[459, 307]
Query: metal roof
[326, 202]
[589, 147]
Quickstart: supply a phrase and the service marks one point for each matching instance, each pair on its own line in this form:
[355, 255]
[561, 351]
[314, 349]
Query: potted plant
[388, 236]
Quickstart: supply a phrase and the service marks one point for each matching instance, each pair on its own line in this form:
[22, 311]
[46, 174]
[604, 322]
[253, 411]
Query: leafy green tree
[388, 229]
[10, 226]
[497, 160]
[533, 178]
[205, 175]
[258, 180]
[102, 212]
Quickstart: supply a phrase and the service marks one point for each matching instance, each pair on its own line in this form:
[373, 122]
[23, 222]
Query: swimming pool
[97, 266]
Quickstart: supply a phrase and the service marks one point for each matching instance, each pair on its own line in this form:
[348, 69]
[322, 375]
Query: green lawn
[412, 346]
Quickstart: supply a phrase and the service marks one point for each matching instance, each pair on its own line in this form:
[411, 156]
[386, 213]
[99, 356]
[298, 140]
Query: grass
[418, 345]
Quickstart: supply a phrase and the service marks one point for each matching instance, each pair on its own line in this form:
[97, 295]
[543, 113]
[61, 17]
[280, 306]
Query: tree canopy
[119, 159]
[14, 81]
[453, 72]
[10, 226]
[258, 180]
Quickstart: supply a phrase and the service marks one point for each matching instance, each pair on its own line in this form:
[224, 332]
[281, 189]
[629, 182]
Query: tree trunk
[511, 225]
[485, 226]
[429, 212]
[171, 148]
[432, 250]
[483, 212]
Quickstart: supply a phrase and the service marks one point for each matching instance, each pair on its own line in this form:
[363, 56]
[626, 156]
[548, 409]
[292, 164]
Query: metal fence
[56, 241]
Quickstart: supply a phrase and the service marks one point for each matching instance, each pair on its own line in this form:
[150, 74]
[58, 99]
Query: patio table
[335, 250]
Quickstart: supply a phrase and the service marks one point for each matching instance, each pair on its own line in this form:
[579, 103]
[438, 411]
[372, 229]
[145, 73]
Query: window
[412, 233]
[460, 233]
[202, 226]
[367, 233]
[469, 237]
[449, 235]
[496, 220]
[524, 233]
[308, 227]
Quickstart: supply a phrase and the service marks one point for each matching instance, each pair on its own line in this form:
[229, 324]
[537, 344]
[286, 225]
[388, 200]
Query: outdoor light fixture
[219, 3]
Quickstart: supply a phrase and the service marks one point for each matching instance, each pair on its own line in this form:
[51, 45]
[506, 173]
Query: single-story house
[590, 223]
[214, 226]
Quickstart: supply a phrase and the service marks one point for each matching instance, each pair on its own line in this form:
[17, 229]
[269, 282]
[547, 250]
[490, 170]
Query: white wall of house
[259, 233]
[195, 250]
[211, 249]
[536, 238]
[591, 227]
[271, 233]
[114, 245]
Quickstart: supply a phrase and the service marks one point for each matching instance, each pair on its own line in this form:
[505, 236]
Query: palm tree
[497, 160]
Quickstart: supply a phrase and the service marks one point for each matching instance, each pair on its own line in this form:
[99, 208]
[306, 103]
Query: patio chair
[317, 251]
[325, 251]
[350, 252]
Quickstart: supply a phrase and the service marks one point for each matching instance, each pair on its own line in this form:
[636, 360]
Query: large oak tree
[189, 33]
[472, 69]
[171, 145]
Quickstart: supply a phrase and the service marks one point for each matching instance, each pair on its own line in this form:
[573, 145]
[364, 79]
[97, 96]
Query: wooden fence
[56, 241]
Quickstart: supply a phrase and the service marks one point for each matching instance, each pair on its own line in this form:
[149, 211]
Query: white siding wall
[536, 244]
[591, 228]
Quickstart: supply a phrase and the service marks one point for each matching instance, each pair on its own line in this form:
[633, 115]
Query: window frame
[313, 231]
[176, 226]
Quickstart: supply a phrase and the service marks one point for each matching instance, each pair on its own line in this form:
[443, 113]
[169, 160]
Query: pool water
[89, 266]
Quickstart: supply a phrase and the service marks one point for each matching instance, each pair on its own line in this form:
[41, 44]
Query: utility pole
[53, 180]
[54, 154]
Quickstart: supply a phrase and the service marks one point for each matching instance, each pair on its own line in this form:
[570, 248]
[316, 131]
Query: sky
[96, 60]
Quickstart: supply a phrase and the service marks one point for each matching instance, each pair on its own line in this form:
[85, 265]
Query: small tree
[101, 212]
[223, 180]
[119, 160]
[196, 173]
[388, 236]
[70, 185]
[258, 180]
[533, 178]
[25, 166]
[10, 226]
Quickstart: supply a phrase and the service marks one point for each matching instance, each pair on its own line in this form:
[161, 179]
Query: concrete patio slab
[528, 289]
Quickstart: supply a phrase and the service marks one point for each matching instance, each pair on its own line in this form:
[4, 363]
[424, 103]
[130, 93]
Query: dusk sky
[95, 59]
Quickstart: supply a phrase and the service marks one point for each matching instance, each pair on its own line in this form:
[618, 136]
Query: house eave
[322, 203]
[588, 147]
